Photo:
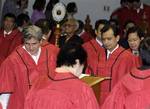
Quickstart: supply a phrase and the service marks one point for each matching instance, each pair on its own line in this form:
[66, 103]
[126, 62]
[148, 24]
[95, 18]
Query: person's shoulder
[87, 44]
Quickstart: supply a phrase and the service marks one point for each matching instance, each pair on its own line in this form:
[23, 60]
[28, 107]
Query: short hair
[71, 7]
[131, 1]
[45, 25]
[123, 1]
[39, 5]
[21, 18]
[109, 26]
[69, 53]
[137, 30]
[32, 31]
[9, 15]
[101, 21]
[144, 49]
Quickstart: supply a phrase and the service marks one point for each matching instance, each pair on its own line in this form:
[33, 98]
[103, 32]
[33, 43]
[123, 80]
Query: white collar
[141, 7]
[7, 33]
[34, 57]
[81, 32]
[99, 42]
[110, 52]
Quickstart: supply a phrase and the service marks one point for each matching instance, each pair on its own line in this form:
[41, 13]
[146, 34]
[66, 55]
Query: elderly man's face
[70, 27]
[32, 46]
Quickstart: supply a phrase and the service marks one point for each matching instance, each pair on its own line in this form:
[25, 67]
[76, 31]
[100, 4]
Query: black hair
[45, 25]
[131, 1]
[39, 5]
[21, 18]
[81, 24]
[51, 4]
[123, 1]
[144, 49]
[101, 21]
[137, 30]
[10, 15]
[69, 53]
[71, 7]
[109, 26]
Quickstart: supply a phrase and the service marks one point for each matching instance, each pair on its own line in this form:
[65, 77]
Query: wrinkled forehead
[72, 22]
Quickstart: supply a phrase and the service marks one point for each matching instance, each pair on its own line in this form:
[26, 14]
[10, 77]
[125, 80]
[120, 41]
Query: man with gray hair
[19, 71]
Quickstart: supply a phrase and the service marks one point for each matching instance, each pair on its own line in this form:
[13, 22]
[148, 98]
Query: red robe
[132, 92]
[139, 17]
[138, 61]
[1, 106]
[86, 37]
[96, 57]
[9, 43]
[19, 71]
[119, 63]
[64, 91]
[122, 15]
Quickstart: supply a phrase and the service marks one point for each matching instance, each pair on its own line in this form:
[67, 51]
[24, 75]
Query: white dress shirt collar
[110, 52]
[7, 33]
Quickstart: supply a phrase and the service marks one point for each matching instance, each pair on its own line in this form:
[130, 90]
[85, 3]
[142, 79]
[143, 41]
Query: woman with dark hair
[133, 91]
[134, 36]
[64, 90]
[38, 8]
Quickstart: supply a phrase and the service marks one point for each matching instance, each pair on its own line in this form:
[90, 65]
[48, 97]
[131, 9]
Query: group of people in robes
[35, 74]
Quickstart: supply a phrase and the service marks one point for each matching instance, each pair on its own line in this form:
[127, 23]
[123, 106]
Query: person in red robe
[65, 90]
[95, 50]
[118, 60]
[24, 65]
[132, 91]
[134, 36]
[82, 33]
[141, 13]
[10, 37]
[122, 14]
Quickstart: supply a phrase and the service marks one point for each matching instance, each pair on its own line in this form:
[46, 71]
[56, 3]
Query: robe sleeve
[116, 99]
[7, 77]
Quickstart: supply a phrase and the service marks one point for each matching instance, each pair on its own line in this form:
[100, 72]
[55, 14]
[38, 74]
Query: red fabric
[119, 63]
[96, 57]
[132, 92]
[138, 17]
[1, 106]
[9, 43]
[86, 37]
[138, 61]
[123, 15]
[19, 71]
[64, 91]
